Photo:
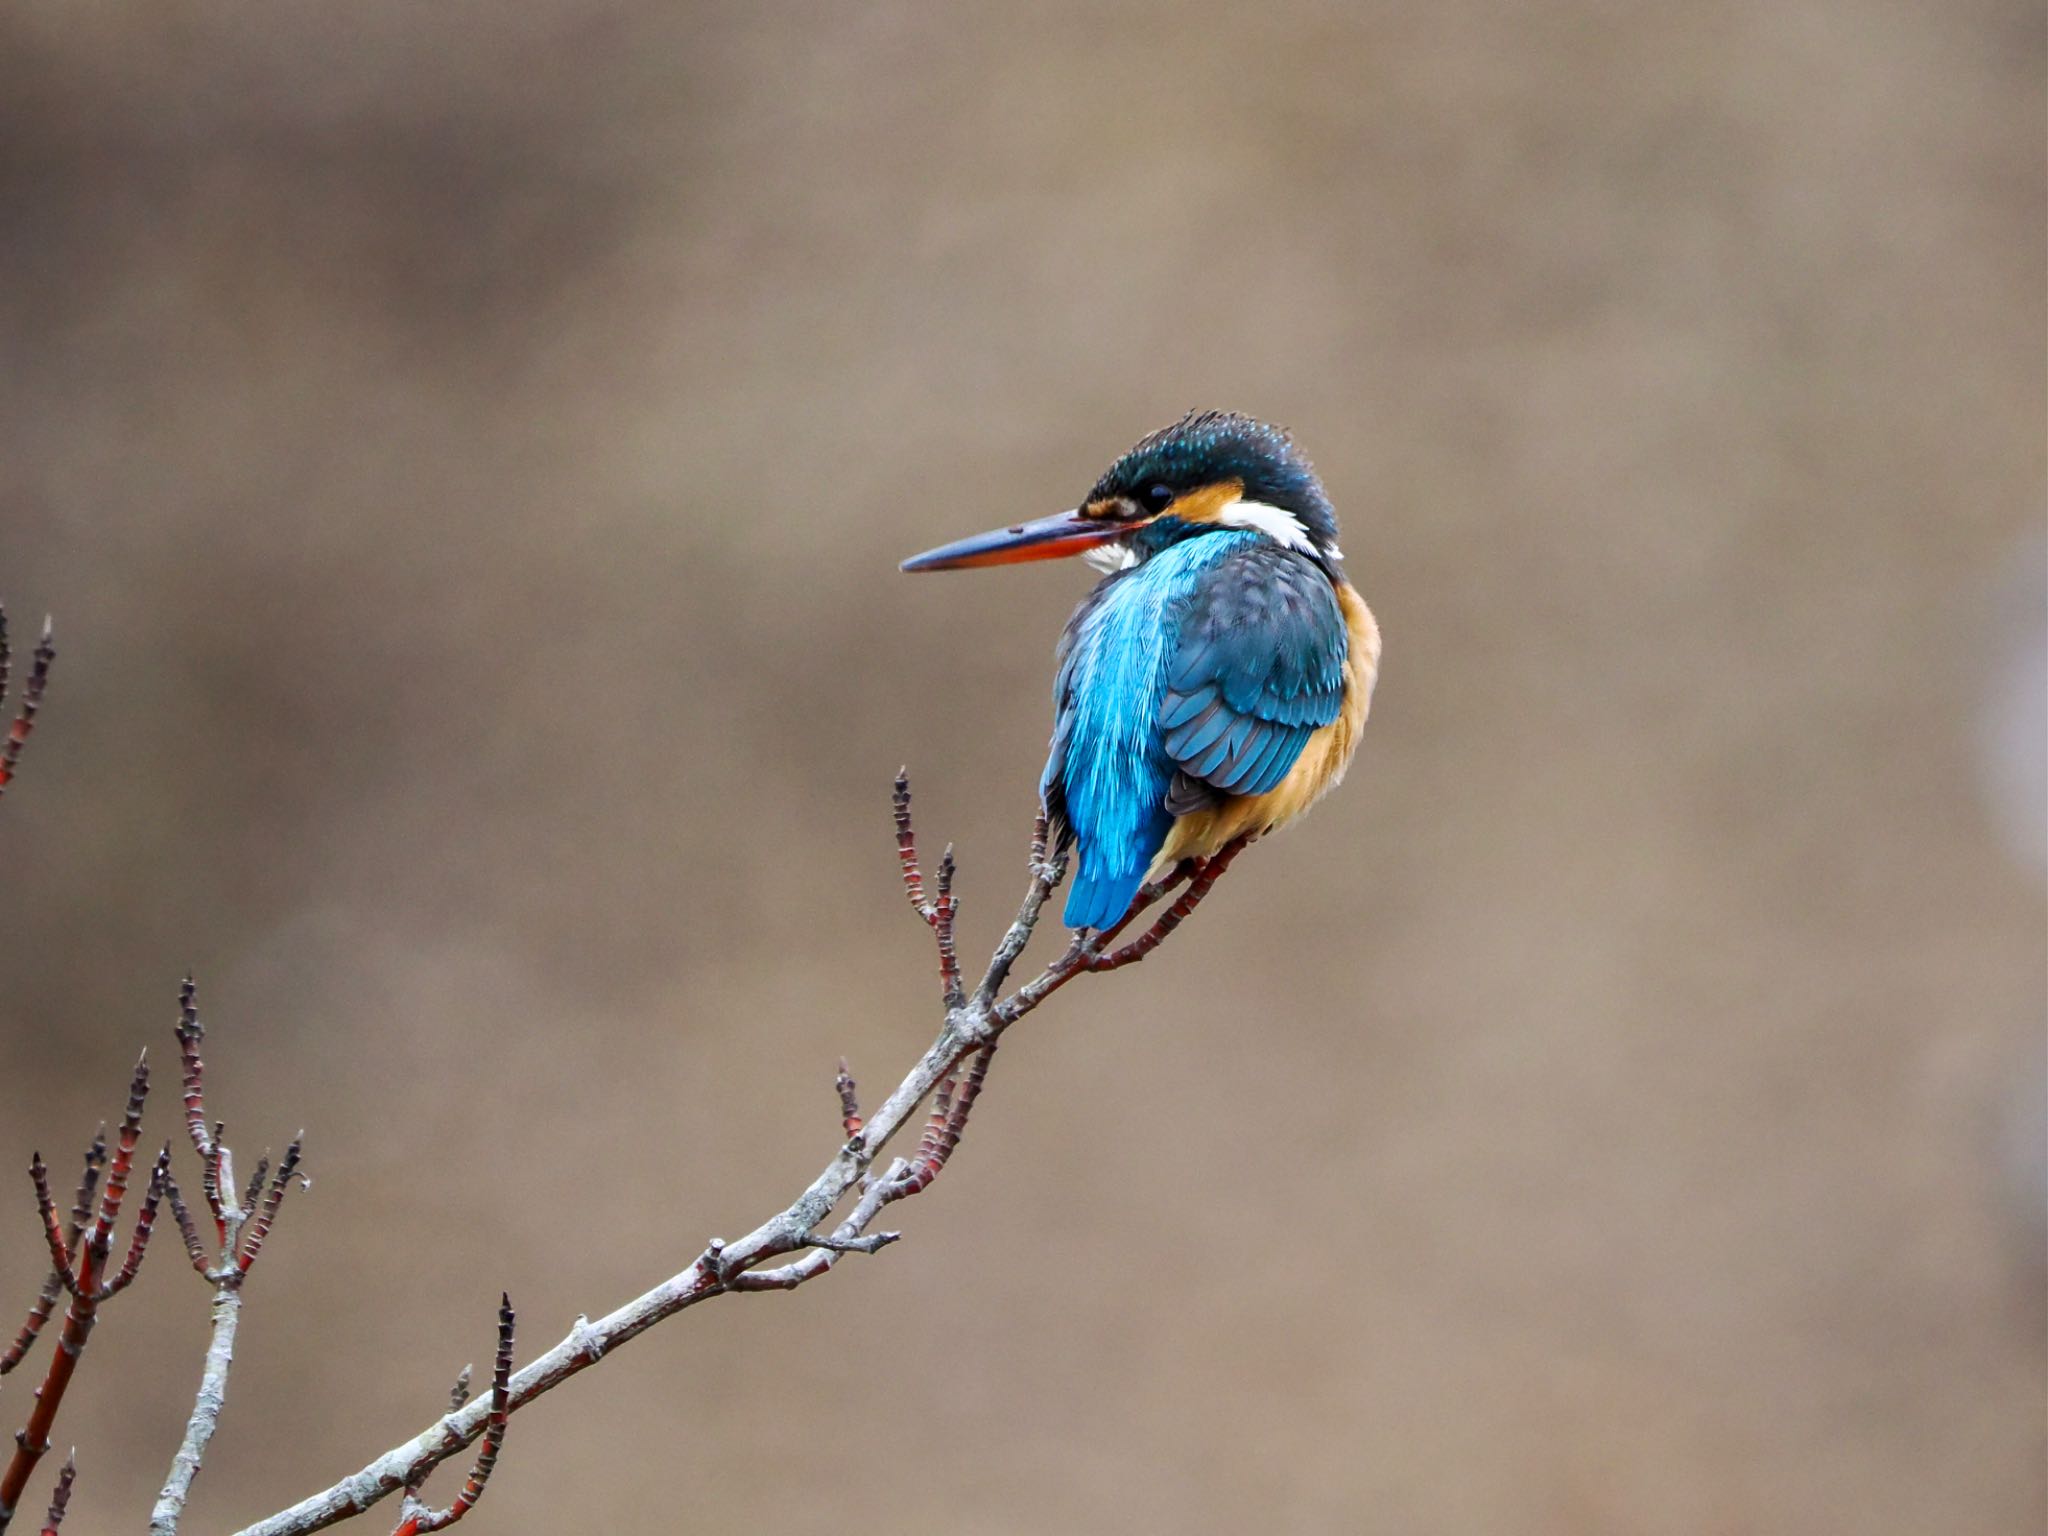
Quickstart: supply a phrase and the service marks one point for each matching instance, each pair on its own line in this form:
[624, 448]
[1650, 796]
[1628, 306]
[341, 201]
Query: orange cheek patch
[1208, 504]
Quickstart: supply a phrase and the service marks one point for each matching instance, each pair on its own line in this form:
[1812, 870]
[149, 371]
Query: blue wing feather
[1265, 642]
[1189, 706]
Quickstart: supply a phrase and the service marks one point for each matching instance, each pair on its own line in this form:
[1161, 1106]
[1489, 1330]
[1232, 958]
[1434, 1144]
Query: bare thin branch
[1198, 887]
[53, 1226]
[53, 1285]
[241, 1229]
[255, 1190]
[191, 1035]
[215, 1183]
[145, 1223]
[259, 1227]
[88, 1181]
[971, 1028]
[206, 1407]
[60, 1496]
[32, 692]
[849, 1101]
[418, 1518]
[945, 912]
[1045, 878]
[906, 844]
[182, 1214]
[38, 1314]
[80, 1267]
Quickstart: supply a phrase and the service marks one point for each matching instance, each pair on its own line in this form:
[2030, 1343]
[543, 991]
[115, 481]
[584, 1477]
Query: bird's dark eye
[1158, 498]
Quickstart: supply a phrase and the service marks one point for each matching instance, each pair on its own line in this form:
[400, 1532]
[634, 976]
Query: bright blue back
[1109, 764]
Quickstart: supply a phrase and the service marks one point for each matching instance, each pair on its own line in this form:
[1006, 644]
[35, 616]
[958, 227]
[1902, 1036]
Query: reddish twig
[1207, 873]
[53, 1226]
[145, 1223]
[32, 691]
[60, 1496]
[264, 1215]
[38, 1314]
[1085, 955]
[53, 1285]
[79, 1262]
[1147, 895]
[906, 844]
[416, 1517]
[944, 1127]
[939, 914]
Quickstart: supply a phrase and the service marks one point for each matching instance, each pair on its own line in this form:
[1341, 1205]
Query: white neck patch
[1111, 558]
[1276, 523]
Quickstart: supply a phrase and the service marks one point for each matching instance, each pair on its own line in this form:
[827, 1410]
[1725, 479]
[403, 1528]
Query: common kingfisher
[1214, 684]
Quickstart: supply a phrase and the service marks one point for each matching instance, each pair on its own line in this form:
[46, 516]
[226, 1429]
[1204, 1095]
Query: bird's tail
[1099, 896]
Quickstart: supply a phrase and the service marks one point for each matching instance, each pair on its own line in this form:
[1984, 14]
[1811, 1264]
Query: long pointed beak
[1048, 538]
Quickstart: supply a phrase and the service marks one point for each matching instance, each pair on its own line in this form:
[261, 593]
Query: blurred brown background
[467, 448]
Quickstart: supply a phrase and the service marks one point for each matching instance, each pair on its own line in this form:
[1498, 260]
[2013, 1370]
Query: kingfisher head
[1209, 471]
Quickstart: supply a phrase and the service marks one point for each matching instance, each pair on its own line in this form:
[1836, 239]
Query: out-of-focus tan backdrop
[467, 449]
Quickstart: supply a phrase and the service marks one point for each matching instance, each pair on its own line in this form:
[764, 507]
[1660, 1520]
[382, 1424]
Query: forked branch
[952, 1072]
[241, 1220]
[81, 1254]
[416, 1516]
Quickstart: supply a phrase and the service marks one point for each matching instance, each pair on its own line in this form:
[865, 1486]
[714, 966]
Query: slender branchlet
[416, 1517]
[60, 1496]
[254, 1191]
[53, 1225]
[79, 1251]
[53, 1284]
[942, 912]
[266, 1213]
[906, 843]
[191, 1035]
[195, 1251]
[32, 691]
[145, 1223]
[945, 912]
[849, 1101]
[88, 1183]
